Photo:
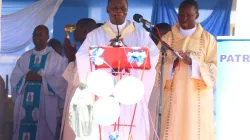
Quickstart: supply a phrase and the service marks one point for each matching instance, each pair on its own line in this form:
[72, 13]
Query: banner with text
[233, 90]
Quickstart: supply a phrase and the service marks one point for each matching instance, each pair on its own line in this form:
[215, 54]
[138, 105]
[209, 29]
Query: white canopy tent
[16, 29]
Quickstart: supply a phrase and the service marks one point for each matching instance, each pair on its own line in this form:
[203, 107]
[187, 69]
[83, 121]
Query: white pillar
[242, 26]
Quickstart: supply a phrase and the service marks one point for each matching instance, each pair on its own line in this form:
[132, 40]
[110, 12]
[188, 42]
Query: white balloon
[129, 90]
[100, 83]
[106, 111]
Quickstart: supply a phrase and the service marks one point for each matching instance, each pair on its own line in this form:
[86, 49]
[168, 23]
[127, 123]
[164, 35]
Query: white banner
[233, 90]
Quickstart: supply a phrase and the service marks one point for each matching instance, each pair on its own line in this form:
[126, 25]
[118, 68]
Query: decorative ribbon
[114, 136]
[137, 56]
[115, 82]
[95, 55]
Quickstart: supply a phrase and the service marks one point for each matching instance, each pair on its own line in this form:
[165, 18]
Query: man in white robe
[131, 37]
[38, 91]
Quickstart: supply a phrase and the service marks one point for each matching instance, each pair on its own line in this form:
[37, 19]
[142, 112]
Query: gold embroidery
[169, 112]
[201, 45]
[199, 112]
[193, 53]
[172, 44]
[211, 73]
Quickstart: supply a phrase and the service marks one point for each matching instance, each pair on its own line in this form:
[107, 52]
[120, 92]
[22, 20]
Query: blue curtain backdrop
[218, 23]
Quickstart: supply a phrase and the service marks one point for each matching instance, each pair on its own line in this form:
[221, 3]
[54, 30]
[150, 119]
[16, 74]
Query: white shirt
[120, 27]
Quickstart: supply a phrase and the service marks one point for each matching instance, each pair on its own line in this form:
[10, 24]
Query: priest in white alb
[131, 37]
[38, 91]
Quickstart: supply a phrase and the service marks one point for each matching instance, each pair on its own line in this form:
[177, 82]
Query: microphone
[118, 32]
[117, 42]
[139, 18]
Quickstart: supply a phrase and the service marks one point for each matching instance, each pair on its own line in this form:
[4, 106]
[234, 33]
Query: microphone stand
[116, 43]
[164, 48]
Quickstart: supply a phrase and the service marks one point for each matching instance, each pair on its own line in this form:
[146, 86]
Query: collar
[129, 28]
[187, 32]
[120, 27]
[42, 52]
[196, 34]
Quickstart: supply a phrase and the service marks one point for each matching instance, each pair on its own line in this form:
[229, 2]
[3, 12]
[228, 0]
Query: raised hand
[70, 51]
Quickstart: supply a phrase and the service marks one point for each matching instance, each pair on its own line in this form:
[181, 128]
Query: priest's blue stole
[31, 101]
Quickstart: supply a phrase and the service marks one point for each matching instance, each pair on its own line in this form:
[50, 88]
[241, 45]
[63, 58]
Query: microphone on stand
[164, 48]
[116, 43]
[139, 18]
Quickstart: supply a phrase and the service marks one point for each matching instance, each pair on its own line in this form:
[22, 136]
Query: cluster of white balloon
[106, 111]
